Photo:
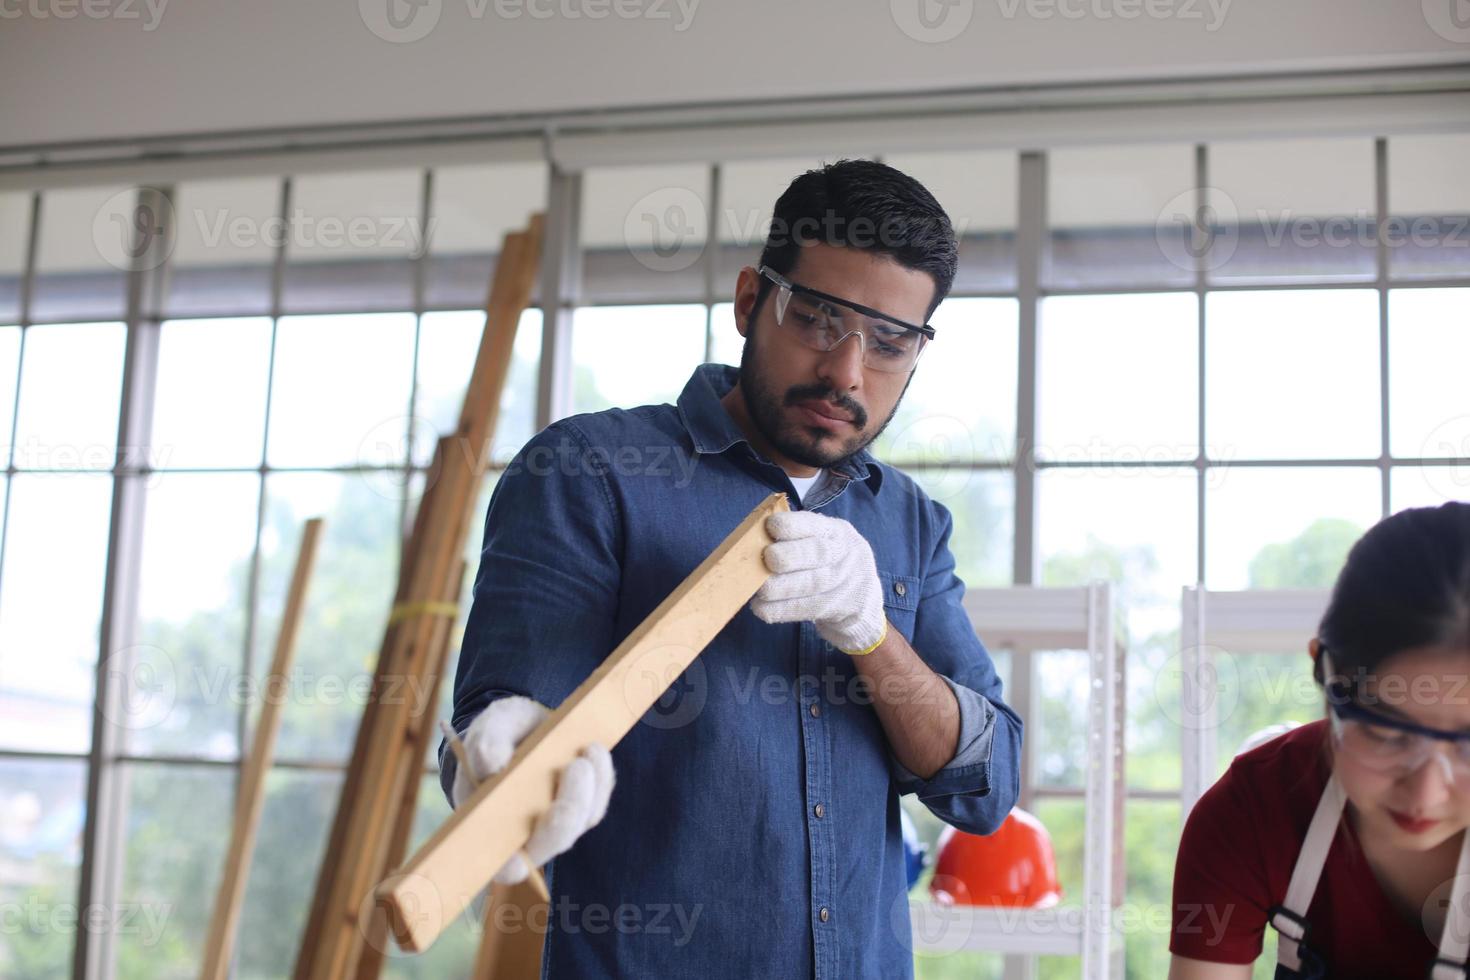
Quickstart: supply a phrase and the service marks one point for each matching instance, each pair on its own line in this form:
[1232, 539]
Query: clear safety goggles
[1394, 746]
[822, 322]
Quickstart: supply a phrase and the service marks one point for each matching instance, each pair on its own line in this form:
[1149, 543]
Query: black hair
[1406, 584]
[866, 205]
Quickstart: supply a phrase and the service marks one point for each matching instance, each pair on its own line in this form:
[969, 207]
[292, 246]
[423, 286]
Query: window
[1292, 375]
[1292, 210]
[643, 233]
[1428, 339]
[228, 238]
[83, 250]
[1210, 407]
[15, 215]
[624, 356]
[472, 208]
[978, 192]
[1428, 232]
[1118, 381]
[1114, 216]
[351, 241]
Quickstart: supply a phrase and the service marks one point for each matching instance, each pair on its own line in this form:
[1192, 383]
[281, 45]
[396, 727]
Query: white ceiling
[155, 67]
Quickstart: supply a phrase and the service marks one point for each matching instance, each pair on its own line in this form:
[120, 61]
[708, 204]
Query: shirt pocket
[900, 601]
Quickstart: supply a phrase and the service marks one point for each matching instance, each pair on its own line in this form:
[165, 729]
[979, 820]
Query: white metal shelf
[1279, 621]
[1026, 620]
[974, 929]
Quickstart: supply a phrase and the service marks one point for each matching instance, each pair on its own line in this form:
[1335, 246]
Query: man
[754, 831]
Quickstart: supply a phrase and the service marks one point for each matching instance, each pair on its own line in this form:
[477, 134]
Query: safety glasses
[822, 322]
[1391, 745]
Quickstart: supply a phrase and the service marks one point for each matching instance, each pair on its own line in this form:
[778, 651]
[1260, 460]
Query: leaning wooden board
[224, 922]
[456, 863]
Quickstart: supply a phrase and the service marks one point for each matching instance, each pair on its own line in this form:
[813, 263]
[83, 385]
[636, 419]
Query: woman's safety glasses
[1391, 745]
[822, 322]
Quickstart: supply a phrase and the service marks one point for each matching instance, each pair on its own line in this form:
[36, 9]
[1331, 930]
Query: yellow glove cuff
[881, 637]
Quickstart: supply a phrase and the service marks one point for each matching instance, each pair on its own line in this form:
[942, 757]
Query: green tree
[1311, 560]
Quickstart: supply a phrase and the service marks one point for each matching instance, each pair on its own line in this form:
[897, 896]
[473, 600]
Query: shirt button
[900, 588]
[816, 710]
[824, 914]
[819, 810]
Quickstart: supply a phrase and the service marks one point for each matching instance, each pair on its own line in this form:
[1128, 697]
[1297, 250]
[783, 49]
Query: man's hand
[582, 789]
[823, 572]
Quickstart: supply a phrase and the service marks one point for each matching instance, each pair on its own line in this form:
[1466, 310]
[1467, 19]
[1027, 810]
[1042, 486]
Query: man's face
[819, 407]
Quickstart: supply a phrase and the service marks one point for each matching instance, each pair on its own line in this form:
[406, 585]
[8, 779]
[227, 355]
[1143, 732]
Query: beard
[807, 445]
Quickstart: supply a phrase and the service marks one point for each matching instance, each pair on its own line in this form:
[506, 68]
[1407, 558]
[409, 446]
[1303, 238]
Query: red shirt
[1235, 860]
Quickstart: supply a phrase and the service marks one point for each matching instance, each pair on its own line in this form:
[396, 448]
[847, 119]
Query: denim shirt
[753, 830]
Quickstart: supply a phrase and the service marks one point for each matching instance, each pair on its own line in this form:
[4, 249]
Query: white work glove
[823, 573]
[582, 789]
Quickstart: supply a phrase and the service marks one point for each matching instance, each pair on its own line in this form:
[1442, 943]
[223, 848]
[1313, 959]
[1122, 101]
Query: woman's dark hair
[865, 205]
[1406, 584]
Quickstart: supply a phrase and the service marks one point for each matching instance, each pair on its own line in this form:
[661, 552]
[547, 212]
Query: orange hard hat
[1015, 866]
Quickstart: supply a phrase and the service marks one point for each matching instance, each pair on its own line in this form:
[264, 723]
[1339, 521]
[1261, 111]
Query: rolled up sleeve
[978, 787]
[544, 603]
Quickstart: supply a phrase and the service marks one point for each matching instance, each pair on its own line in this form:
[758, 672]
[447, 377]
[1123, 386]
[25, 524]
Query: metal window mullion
[38, 755]
[1030, 249]
[27, 290]
[1031, 233]
[103, 837]
[711, 261]
[1024, 698]
[1239, 286]
[252, 586]
[1134, 794]
[1201, 285]
[1439, 282]
[1253, 463]
[27, 299]
[1380, 205]
[420, 272]
[1429, 282]
[561, 281]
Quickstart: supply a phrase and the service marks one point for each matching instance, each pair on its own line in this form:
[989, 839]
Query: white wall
[123, 68]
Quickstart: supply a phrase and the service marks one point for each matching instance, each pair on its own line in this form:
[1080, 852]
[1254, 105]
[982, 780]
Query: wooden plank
[440, 534]
[375, 945]
[381, 761]
[462, 856]
[462, 760]
[225, 920]
[510, 294]
[330, 865]
[513, 954]
[369, 817]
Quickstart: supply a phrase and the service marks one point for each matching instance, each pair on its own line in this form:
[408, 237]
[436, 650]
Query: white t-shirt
[805, 484]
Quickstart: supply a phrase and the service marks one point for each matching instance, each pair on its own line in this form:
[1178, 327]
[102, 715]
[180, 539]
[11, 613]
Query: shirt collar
[712, 430]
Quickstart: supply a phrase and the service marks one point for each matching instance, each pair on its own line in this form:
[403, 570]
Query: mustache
[805, 393]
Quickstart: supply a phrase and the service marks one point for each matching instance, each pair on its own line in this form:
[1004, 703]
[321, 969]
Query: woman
[1348, 833]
